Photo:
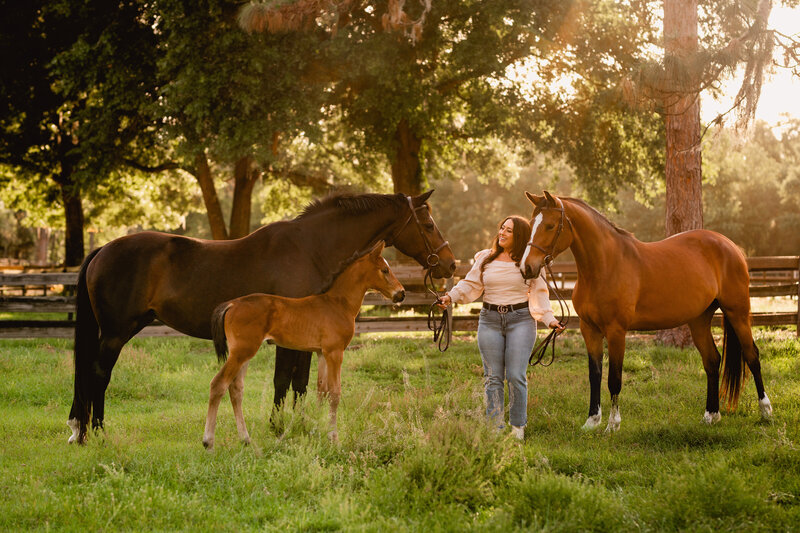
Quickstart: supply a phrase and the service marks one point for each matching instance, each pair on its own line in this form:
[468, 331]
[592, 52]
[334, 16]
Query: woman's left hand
[556, 325]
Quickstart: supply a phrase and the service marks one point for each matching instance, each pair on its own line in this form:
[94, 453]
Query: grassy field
[414, 454]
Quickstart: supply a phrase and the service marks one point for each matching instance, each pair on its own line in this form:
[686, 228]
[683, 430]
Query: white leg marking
[613, 419]
[593, 421]
[712, 418]
[75, 427]
[536, 222]
[766, 407]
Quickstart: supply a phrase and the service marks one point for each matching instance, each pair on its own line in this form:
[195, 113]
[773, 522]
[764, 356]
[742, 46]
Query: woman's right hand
[444, 301]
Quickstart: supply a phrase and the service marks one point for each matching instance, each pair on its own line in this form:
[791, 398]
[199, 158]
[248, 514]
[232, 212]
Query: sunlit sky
[780, 92]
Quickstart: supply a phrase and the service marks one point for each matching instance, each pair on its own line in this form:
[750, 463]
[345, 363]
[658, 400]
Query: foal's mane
[598, 215]
[352, 204]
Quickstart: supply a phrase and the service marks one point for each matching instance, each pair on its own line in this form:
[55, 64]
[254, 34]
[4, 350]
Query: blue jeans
[505, 342]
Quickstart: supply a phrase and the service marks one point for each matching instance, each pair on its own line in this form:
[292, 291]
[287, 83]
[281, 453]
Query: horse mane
[352, 204]
[597, 214]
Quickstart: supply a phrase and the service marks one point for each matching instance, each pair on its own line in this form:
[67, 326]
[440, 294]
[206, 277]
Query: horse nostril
[453, 266]
[399, 296]
[527, 274]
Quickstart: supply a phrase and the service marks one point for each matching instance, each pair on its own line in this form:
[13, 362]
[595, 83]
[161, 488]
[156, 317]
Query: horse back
[181, 280]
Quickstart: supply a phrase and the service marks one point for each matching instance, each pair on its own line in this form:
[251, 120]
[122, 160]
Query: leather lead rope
[440, 326]
[540, 349]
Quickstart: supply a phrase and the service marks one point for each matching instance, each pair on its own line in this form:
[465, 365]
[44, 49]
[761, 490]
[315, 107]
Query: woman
[506, 328]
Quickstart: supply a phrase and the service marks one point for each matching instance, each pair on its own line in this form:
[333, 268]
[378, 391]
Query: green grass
[414, 454]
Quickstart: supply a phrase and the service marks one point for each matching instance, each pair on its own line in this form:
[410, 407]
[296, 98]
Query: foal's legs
[322, 377]
[594, 346]
[236, 392]
[701, 335]
[240, 353]
[616, 354]
[333, 379]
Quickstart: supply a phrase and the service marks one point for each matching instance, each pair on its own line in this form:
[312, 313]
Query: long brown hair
[521, 233]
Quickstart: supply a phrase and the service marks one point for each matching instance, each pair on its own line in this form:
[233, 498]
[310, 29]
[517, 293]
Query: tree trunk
[245, 175]
[406, 168]
[684, 198]
[73, 216]
[203, 176]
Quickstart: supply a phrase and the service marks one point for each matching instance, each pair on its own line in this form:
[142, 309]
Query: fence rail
[53, 293]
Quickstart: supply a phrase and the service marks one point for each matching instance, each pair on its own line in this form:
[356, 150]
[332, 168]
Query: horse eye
[429, 226]
[385, 270]
[549, 226]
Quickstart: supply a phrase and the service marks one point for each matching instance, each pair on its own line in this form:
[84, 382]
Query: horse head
[419, 237]
[380, 277]
[551, 233]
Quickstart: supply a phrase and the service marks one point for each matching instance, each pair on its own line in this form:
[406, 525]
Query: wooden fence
[53, 293]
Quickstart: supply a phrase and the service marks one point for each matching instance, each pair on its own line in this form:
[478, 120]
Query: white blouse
[503, 284]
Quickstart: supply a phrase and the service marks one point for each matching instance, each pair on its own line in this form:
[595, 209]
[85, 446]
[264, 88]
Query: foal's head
[551, 233]
[373, 269]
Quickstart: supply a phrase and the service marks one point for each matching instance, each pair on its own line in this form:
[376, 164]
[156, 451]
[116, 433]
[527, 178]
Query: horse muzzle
[445, 268]
[399, 296]
[530, 273]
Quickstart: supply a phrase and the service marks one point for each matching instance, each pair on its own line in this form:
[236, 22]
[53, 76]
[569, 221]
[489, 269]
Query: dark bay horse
[131, 281]
[323, 323]
[625, 284]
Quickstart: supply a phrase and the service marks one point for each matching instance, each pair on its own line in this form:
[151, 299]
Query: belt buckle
[502, 309]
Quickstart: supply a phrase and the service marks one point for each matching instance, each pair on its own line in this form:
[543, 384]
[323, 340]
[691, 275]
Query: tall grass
[415, 453]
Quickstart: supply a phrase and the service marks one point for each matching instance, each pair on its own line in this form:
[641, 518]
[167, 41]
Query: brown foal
[244, 323]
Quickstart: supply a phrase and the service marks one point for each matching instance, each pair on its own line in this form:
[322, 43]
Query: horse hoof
[208, 444]
[592, 422]
[333, 436]
[712, 418]
[76, 430]
[765, 407]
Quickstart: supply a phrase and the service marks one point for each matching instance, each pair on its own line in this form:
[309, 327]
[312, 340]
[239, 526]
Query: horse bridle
[433, 254]
[441, 331]
[548, 255]
[540, 349]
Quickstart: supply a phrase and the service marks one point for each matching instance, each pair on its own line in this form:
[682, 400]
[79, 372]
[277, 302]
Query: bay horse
[323, 323]
[131, 281]
[625, 284]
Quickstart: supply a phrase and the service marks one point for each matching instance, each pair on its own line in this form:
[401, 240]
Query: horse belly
[666, 313]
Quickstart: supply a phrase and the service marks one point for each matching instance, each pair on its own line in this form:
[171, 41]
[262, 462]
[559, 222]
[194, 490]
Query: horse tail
[734, 370]
[86, 347]
[218, 331]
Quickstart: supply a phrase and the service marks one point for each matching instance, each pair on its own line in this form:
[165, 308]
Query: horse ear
[422, 198]
[550, 199]
[377, 250]
[538, 201]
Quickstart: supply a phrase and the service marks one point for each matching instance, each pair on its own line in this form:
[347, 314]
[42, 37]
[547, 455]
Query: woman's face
[505, 237]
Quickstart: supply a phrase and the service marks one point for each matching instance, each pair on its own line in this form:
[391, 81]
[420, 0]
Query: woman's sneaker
[518, 432]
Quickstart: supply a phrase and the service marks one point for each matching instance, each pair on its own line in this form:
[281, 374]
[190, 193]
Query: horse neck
[350, 287]
[352, 233]
[595, 243]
